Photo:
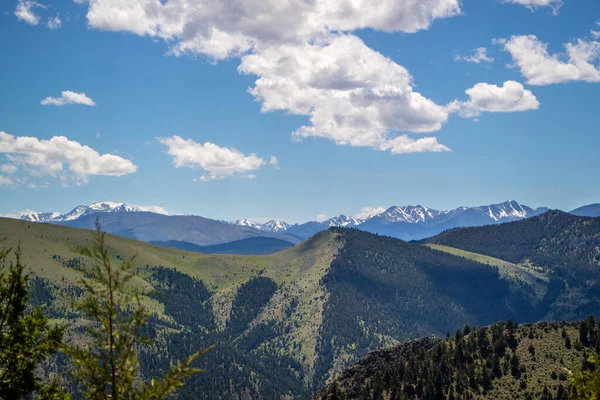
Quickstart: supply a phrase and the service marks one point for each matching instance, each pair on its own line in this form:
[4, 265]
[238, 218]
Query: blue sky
[160, 83]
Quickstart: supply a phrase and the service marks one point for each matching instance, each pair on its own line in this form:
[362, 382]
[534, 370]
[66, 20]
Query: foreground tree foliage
[26, 338]
[108, 366]
[586, 383]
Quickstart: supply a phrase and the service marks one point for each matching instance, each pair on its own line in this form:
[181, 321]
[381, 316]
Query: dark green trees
[26, 338]
[108, 366]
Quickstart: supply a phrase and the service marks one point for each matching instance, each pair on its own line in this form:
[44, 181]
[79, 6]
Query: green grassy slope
[292, 310]
[287, 323]
[41, 242]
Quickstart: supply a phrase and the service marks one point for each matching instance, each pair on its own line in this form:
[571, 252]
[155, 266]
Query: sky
[266, 109]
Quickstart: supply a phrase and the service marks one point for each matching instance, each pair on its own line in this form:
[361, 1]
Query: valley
[288, 323]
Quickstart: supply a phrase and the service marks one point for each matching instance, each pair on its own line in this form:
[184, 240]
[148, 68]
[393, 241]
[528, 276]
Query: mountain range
[290, 322]
[80, 211]
[402, 222]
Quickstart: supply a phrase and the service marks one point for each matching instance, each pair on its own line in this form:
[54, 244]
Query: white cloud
[68, 97]
[306, 60]
[322, 217]
[54, 23]
[511, 97]
[353, 95]
[531, 56]
[8, 168]
[63, 158]
[478, 56]
[219, 162]
[4, 181]
[24, 11]
[533, 4]
[17, 215]
[368, 212]
[222, 29]
[595, 34]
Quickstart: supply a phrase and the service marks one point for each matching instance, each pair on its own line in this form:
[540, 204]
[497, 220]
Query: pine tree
[108, 367]
[26, 339]
[586, 383]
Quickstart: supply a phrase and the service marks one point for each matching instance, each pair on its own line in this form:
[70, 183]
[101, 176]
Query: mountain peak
[342, 221]
[274, 226]
[98, 206]
[408, 214]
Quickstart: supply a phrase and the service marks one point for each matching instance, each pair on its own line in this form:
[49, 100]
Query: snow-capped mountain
[404, 222]
[418, 222]
[99, 206]
[274, 226]
[507, 211]
[246, 222]
[34, 216]
[343, 221]
[495, 213]
[270, 226]
[409, 214]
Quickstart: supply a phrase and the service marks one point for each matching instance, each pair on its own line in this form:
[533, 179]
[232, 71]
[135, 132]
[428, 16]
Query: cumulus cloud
[219, 162]
[539, 67]
[221, 29]
[368, 212]
[24, 11]
[306, 60]
[352, 94]
[54, 23]
[322, 217]
[287, 44]
[510, 97]
[477, 56]
[533, 4]
[4, 181]
[63, 158]
[8, 168]
[68, 97]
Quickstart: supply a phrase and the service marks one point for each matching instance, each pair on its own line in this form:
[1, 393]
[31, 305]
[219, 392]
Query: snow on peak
[99, 206]
[342, 221]
[409, 214]
[509, 210]
[246, 222]
[274, 226]
[34, 216]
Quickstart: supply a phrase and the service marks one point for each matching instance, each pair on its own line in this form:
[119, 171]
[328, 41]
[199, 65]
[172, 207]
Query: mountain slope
[562, 243]
[592, 210]
[258, 245]
[503, 361]
[286, 323]
[148, 227]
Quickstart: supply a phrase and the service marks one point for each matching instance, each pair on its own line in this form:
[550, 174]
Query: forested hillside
[286, 323]
[563, 246]
[504, 361]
